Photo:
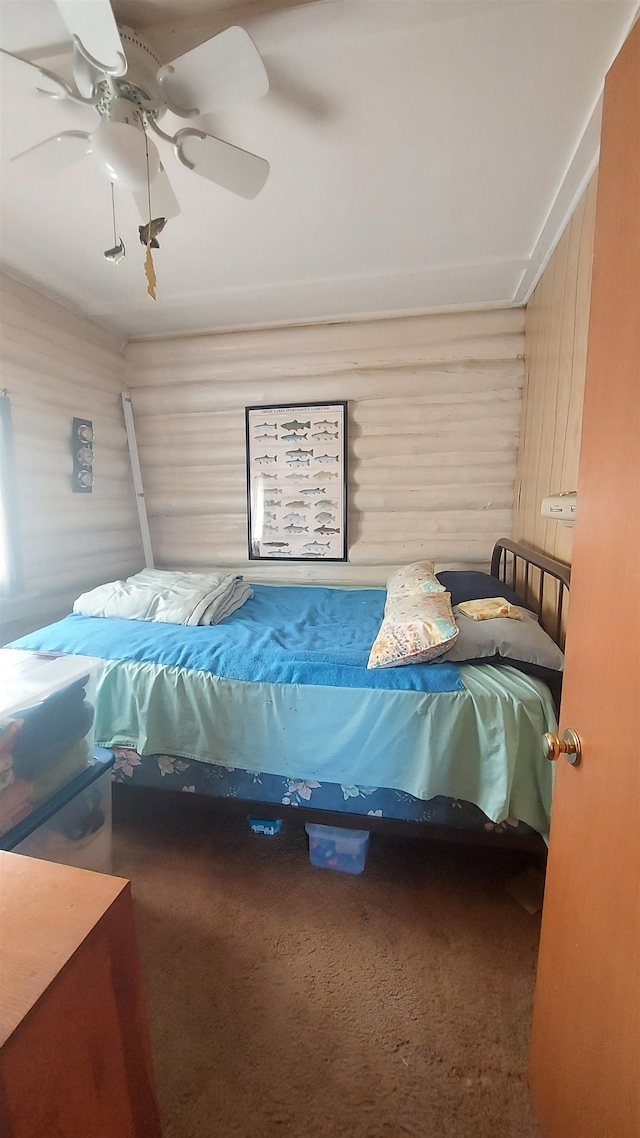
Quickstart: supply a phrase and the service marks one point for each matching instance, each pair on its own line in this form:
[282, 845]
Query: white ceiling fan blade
[29, 76]
[224, 70]
[163, 200]
[237, 170]
[55, 154]
[94, 25]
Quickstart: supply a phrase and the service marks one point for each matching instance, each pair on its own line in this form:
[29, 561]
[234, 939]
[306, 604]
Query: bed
[291, 722]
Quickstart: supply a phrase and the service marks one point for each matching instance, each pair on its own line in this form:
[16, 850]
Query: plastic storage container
[46, 727]
[331, 847]
[74, 826]
[26, 678]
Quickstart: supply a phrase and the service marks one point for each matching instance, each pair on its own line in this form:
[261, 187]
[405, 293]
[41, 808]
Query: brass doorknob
[569, 746]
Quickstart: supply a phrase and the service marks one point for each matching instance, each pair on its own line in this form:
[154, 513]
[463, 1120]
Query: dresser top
[46, 912]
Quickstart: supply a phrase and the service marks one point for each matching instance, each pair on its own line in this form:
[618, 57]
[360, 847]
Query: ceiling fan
[119, 76]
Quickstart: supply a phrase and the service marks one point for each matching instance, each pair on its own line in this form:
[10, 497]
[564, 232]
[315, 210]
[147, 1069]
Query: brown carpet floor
[293, 1001]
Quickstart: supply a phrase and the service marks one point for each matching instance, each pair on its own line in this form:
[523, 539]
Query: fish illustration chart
[290, 505]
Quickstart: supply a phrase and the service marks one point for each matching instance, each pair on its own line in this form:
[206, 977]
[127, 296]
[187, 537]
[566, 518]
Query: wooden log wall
[434, 413]
[57, 365]
[556, 333]
[556, 330]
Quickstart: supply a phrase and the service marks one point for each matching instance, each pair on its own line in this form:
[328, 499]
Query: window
[10, 574]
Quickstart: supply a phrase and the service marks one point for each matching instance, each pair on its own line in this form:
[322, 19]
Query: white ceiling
[425, 154]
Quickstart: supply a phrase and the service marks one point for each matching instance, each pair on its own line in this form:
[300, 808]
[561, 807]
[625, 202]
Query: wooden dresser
[75, 1060]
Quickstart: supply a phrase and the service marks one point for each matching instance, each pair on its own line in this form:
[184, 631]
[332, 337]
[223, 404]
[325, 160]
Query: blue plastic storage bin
[332, 847]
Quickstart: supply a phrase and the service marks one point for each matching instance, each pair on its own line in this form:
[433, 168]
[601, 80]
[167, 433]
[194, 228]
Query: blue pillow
[469, 585]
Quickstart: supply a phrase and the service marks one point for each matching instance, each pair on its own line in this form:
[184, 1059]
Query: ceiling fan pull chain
[149, 267]
[146, 153]
[113, 214]
[118, 251]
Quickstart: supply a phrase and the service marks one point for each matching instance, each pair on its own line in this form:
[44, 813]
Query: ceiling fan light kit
[121, 151]
[119, 75]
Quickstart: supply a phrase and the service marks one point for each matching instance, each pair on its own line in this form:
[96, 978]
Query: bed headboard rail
[539, 579]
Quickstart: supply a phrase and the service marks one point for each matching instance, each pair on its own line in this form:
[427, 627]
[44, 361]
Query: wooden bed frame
[540, 580]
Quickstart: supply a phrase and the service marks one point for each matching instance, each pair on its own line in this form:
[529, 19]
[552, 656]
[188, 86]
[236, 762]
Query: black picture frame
[293, 516]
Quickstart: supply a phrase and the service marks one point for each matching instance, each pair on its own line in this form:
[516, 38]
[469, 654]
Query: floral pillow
[417, 627]
[419, 577]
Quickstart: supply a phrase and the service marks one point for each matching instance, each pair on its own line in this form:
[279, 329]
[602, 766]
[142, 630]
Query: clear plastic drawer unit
[46, 728]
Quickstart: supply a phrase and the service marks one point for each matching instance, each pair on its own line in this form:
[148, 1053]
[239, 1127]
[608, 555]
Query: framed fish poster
[297, 482]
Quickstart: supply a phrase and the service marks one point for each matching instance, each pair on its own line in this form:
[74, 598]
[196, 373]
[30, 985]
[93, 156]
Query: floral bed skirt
[269, 791]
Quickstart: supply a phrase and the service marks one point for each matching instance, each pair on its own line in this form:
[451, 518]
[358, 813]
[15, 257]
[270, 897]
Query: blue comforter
[283, 634]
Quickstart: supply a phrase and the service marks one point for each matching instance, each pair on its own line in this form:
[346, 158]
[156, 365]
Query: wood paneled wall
[55, 364]
[556, 328]
[434, 413]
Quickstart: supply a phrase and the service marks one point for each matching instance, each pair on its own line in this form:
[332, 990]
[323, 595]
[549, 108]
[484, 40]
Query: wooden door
[585, 1059]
